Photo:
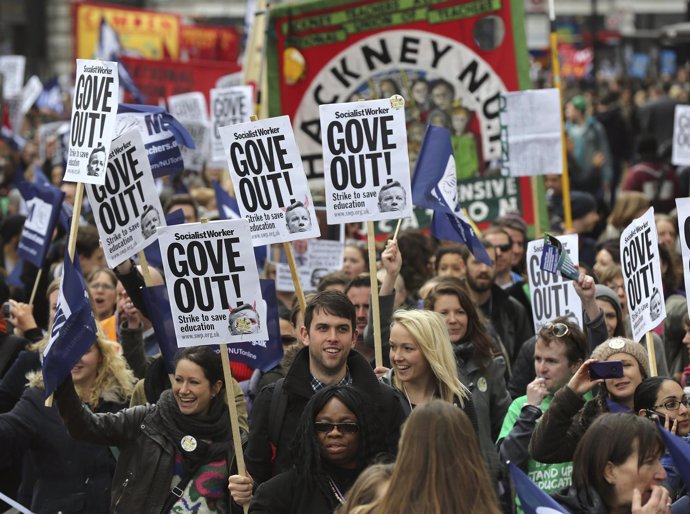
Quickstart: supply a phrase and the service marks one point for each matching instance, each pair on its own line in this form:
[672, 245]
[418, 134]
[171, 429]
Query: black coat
[259, 452]
[576, 501]
[70, 476]
[147, 454]
[288, 493]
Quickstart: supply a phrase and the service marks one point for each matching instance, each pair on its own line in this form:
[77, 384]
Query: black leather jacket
[143, 475]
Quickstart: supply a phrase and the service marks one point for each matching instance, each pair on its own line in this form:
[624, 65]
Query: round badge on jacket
[188, 443]
[481, 384]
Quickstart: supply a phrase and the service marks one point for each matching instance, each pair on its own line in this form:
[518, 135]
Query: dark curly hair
[305, 445]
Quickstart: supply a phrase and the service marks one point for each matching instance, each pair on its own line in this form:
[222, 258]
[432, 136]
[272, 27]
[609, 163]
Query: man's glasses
[673, 404]
[555, 329]
[343, 428]
[504, 248]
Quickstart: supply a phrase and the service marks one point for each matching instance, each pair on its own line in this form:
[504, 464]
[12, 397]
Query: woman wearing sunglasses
[333, 444]
[562, 426]
[663, 400]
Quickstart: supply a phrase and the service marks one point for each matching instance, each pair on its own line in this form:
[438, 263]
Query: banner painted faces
[94, 112]
[272, 190]
[213, 283]
[126, 214]
[366, 163]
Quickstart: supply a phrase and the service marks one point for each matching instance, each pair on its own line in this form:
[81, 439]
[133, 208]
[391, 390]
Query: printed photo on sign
[126, 208]
[683, 207]
[641, 264]
[365, 160]
[92, 128]
[269, 181]
[552, 295]
[213, 283]
[229, 106]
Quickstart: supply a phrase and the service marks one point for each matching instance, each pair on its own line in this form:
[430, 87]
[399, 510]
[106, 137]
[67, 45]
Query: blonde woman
[629, 205]
[369, 487]
[423, 365]
[69, 475]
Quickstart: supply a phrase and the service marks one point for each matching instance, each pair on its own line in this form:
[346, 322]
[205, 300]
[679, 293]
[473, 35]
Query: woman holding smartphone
[563, 424]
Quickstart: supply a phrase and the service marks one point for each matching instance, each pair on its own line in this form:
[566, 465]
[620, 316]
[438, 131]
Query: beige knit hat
[623, 345]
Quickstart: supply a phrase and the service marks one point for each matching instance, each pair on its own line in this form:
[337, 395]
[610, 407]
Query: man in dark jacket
[330, 334]
[508, 317]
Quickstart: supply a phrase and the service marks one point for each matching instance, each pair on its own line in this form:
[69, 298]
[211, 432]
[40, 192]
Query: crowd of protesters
[465, 386]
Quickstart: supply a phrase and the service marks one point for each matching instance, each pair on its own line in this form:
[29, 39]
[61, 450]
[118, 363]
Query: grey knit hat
[602, 291]
[623, 345]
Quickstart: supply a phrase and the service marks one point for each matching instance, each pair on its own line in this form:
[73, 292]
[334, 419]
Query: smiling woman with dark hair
[334, 442]
[174, 455]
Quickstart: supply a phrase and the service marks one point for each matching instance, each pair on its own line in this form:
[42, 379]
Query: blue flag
[264, 355]
[74, 327]
[50, 98]
[44, 203]
[532, 499]
[158, 307]
[153, 251]
[680, 453]
[434, 186]
[161, 133]
[228, 209]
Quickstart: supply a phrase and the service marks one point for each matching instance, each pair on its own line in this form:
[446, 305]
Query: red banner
[207, 43]
[159, 79]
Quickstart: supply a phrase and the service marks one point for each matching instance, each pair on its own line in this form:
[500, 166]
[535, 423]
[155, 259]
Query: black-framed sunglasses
[343, 428]
[673, 404]
[556, 329]
[505, 248]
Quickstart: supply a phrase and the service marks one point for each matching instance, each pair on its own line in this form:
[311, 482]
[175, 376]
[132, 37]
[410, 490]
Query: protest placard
[365, 160]
[551, 294]
[213, 283]
[680, 155]
[315, 259]
[94, 112]
[529, 147]
[270, 185]
[229, 105]
[683, 207]
[12, 70]
[126, 209]
[642, 274]
[30, 93]
[190, 110]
